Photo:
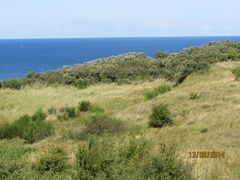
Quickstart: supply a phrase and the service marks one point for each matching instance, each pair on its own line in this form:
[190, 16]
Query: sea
[20, 56]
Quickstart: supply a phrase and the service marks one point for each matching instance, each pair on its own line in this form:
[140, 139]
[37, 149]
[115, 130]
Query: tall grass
[152, 93]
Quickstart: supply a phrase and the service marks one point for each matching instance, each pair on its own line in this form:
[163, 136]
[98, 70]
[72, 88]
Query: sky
[122, 18]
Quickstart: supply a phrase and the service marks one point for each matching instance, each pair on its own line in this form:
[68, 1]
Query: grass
[217, 110]
[152, 93]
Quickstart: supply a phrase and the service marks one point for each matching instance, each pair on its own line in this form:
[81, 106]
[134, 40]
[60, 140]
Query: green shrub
[136, 66]
[161, 55]
[160, 116]
[204, 130]
[151, 93]
[84, 106]
[82, 84]
[236, 72]
[167, 166]
[11, 170]
[193, 96]
[99, 124]
[111, 158]
[39, 115]
[52, 110]
[12, 160]
[12, 84]
[67, 113]
[96, 108]
[71, 112]
[29, 128]
[54, 162]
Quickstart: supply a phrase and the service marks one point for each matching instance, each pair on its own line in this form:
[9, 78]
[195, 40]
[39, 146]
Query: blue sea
[18, 57]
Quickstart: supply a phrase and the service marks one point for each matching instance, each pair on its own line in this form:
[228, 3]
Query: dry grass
[216, 109]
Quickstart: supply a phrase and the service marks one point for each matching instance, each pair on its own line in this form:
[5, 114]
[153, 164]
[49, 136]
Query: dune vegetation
[125, 117]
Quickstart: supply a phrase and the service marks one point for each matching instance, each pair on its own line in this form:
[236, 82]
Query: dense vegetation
[109, 158]
[29, 128]
[135, 66]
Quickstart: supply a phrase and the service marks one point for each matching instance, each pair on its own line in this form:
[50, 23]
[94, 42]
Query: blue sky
[122, 18]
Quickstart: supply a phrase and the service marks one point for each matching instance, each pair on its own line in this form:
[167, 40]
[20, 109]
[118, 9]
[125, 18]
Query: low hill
[135, 66]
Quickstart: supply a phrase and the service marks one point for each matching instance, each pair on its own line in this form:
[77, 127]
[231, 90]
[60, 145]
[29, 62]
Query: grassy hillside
[205, 110]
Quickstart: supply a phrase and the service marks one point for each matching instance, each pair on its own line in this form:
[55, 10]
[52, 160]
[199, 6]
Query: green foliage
[166, 166]
[39, 115]
[106, 159]
[160, 55]
[236, 72]
[26, 127]
[109, 158]
[71, 112]
[68, 113]
[135, 66]
[82, 83]
[99, 124]
[151, 93]
[52, 110]
[12, 84]
[53, 162]
[193, 96]
[122, 68]
[96, 108]
[84, 106]
[160, 116]
[11, 159]
[180, 65]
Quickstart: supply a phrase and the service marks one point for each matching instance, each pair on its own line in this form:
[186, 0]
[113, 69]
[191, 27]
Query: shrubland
[49, 129]
[111, 158]
[134, 66]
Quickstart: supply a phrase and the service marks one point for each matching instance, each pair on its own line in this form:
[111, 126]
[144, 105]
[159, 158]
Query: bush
[12, 84]
[136, 66]
[161, 55]
[67, 113]
[82, 84]
[111, 158]
[84, 106]
[167, 166]
[70, 112]
[39, 115]
[150, 94]
[52, 110]
[160, 116]
[12, 160]
[54, 162]
[99, 124]
[29, 128]
[236, 72]
[204, 130]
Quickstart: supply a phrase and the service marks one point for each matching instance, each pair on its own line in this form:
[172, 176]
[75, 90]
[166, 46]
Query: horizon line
[116, 37]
